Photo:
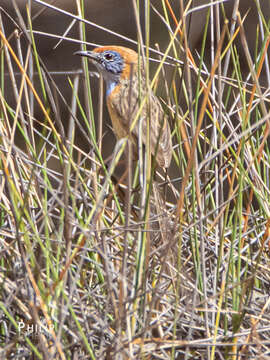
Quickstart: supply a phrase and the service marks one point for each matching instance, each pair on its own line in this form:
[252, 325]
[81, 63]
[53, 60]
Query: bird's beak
[90, 54]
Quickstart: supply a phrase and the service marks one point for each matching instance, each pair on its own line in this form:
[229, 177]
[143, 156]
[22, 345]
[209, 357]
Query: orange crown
[129, 56]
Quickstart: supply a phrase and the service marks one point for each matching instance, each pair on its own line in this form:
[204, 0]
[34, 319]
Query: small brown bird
[125, 90]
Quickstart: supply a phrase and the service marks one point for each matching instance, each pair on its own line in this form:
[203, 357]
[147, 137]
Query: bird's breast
[119, 126]
[110, 87]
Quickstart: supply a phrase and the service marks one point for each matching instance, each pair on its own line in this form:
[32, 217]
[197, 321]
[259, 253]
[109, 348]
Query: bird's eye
[108, 56]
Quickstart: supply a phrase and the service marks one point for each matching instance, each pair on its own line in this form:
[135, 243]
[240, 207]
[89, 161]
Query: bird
[124, 76]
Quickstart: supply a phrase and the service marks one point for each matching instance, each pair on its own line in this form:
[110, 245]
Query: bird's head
[113, 62]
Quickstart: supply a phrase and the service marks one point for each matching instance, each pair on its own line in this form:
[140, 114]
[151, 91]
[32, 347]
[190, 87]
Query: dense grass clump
[141, 265]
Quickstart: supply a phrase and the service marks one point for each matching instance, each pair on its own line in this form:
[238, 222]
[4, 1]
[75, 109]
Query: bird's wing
[127, 104]
[159, 130]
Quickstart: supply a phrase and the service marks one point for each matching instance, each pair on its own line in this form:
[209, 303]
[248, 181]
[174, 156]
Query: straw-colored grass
[95, 266]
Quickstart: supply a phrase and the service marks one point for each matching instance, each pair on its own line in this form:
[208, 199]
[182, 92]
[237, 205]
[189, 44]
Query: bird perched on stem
[125, 91]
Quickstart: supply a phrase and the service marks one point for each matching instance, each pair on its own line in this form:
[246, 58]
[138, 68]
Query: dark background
[118, 16]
